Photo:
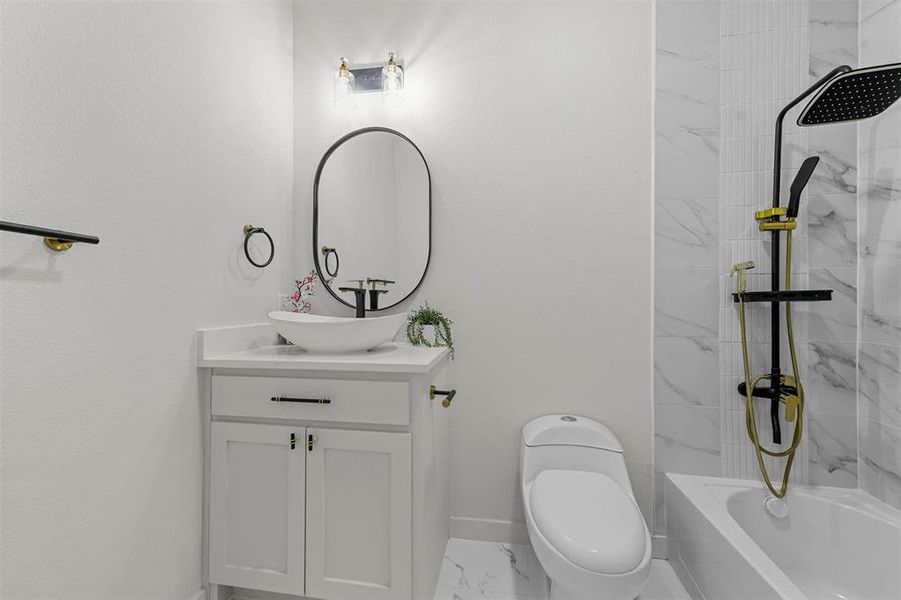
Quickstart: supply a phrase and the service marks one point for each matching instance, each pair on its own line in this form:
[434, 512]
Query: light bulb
[344, 85]
[392, 81]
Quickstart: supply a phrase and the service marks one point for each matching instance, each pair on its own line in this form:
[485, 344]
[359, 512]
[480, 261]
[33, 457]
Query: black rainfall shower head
[855, 95]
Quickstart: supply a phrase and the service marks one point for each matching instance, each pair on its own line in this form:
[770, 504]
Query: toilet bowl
[583, 522]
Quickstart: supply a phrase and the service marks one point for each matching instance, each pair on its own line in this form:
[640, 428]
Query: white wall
[162, 128]
[535, 119]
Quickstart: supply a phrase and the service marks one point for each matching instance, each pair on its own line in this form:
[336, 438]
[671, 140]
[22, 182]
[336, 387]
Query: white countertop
[254, 347]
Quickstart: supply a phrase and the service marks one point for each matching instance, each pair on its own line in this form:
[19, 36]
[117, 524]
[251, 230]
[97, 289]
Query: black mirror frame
[319, 169]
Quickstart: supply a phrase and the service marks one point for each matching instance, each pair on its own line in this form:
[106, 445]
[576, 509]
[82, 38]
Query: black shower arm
[777, 151]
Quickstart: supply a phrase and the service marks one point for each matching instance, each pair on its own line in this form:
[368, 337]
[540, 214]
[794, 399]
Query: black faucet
[374, 291]
[359, 297]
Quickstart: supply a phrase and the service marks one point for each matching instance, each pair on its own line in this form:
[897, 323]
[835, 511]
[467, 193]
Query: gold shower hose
[794, 405]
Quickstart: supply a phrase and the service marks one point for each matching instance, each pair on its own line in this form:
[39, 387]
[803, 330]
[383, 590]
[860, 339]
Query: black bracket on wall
[785, 296]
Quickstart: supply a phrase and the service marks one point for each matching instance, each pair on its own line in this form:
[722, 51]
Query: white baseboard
[515, 532]
[489, 530]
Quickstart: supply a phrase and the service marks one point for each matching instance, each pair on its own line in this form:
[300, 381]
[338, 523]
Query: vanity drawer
[377, 402]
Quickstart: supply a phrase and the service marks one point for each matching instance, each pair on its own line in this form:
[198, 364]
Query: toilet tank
[569, 430]
[574, 443]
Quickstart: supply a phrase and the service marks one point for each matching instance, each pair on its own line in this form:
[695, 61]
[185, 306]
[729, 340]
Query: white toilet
[584, 524]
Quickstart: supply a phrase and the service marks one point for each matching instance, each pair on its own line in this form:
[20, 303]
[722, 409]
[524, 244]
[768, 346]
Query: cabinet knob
[448, 395]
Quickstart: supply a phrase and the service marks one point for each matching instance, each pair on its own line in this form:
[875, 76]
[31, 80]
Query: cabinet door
[358, 515]
[257, 506]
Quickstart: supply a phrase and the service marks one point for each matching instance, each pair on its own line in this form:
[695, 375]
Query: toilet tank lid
[569, 430]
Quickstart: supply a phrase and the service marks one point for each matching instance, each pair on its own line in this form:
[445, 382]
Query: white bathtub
[834, 543]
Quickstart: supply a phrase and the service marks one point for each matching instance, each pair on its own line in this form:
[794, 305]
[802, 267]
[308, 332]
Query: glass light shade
[344, 85]
[392, 82]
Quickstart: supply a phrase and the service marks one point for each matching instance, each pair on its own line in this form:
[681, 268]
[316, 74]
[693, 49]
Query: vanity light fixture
[392, 81]
[387, 77]
[344, 85]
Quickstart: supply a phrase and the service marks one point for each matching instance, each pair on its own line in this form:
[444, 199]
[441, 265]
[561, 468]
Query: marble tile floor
[492, 571]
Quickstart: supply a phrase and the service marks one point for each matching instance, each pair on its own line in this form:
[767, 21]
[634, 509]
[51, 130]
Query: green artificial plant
[424, 316]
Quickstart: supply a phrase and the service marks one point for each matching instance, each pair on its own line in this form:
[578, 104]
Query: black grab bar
[55, 234]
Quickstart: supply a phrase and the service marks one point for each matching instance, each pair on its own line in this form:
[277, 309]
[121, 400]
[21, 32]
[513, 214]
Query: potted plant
[428, 327]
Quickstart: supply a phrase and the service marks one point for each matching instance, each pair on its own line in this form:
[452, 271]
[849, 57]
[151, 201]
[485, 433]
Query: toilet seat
[589, 519]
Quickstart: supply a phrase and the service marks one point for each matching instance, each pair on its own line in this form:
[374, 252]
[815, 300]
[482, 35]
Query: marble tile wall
[829, 211]
[765, 50]
[879, 262]
[686, 361]
[724, 69]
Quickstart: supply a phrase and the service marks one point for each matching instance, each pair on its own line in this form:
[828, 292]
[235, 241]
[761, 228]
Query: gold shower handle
[792, 403]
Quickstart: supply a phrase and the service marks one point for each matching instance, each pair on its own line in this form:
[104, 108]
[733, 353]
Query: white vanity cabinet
[257, 506]
[359, 517]
[326, 476]
[331, 504]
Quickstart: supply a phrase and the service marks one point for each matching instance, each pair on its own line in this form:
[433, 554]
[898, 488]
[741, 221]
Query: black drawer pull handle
[323, 400]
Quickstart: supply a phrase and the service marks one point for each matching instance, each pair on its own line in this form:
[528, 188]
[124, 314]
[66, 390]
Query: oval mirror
[372, 217]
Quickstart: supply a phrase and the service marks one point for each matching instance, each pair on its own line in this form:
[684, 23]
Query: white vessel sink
[332, 335]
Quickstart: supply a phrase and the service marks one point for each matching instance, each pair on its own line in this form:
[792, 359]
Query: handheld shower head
[798, 185]
[854, 95]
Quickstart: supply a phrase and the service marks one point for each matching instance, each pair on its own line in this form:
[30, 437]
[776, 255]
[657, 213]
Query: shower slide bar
[776, 295]
[53, 238]
[843, 95]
